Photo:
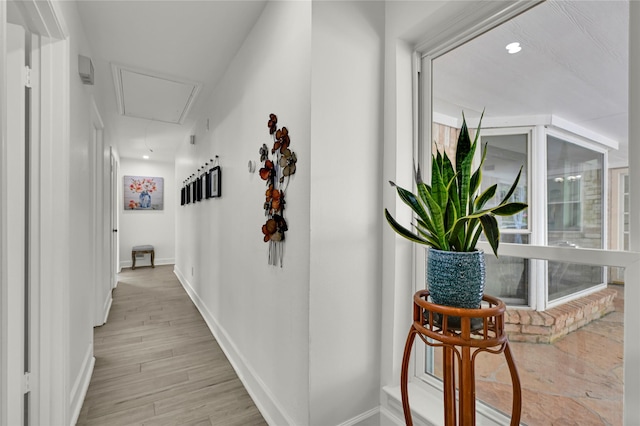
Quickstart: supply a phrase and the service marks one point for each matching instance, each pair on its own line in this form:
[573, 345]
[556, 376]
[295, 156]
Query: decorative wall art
[214, 182]
[143, 193]
[194, 190]
[278, 164]
[206, 183]
[199, 188]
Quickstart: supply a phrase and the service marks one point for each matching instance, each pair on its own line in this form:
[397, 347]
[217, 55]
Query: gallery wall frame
[206, 183]
[214, 182]
[199, 193]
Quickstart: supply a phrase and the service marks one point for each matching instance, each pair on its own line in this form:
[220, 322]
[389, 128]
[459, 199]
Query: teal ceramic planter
[456, 278]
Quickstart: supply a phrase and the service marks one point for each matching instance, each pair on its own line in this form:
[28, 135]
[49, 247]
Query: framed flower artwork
[143, 193]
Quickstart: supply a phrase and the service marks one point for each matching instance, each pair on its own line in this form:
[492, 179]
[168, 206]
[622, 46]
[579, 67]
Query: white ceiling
[149, 95]
[192, 41]
[573, 64]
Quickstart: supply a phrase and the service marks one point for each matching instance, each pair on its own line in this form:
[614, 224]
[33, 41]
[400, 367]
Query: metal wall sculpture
[278, 164]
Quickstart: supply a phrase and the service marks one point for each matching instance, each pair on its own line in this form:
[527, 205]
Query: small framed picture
[183, 196]
[216, 182]
[199, 189]
[207, 185]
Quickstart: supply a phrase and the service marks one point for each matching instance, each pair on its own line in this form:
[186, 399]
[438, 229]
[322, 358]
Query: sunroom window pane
[505, 155]
[574, 212]
[508, 277]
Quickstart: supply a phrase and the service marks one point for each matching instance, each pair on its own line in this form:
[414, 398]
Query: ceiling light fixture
[513, 48]
[146, 157]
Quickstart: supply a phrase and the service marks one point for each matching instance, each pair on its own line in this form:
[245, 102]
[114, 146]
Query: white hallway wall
[346, 214]
[258, 313]
[81, 214]
[71, 221]
[141, 227]
[305, 338]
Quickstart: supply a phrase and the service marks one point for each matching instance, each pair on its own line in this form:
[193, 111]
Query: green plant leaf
[447, 168]
[485, 196]
[411, 200]
[450, 216]
[423, 188]
[426, 226]
[401, 230]
[476, 237]
[463, 145]
[464, 183]
[438, 188]
[457, 233]
[436, 163]
[508, 209]
[427, 235]
[491, 231]
[454, 199]
[438, 221]
[472, 226]
[513, 187]
[475, 139]
[476, 178]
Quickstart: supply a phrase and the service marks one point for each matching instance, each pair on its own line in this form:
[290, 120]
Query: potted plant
[450, 216]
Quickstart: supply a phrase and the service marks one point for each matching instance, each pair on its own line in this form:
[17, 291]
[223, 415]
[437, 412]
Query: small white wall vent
[145, 94]
[85, 69]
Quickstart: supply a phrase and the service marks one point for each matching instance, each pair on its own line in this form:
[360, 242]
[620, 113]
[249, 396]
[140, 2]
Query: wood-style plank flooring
[157, 362]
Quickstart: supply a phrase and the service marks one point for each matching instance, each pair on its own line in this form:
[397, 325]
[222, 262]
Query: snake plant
[450, 214]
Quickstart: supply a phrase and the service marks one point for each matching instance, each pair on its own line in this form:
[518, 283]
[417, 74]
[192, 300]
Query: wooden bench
[142, 250]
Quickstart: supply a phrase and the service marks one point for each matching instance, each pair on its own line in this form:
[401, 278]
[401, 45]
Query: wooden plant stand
[457, 334]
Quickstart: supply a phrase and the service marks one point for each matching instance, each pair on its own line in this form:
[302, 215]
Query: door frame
[113, 211]
[101, 219]
[50, 188]
[15, 235]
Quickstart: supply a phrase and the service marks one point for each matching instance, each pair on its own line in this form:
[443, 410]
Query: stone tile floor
[575, 381]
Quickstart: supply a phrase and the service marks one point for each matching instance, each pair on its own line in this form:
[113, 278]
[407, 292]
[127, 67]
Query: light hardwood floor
[157, 362]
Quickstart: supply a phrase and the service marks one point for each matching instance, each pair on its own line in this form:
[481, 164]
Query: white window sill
[427, 408]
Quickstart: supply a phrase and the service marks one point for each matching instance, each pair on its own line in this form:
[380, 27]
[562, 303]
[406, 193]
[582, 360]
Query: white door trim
[102, 286]
[4, 280]
[52, 187]
[54, 381]
[13, 314]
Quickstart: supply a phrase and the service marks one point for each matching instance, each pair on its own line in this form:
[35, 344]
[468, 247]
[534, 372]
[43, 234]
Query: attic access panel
[143, 94]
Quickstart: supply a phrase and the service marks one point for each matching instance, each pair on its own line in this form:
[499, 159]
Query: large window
[548, 116]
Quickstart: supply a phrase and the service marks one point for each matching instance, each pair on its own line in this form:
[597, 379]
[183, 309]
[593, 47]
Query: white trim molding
[81, 385]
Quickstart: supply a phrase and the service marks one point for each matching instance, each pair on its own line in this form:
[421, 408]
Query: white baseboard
[264, 399]
[146, 262]
[81, 385]
[368, 418]
[104, 314]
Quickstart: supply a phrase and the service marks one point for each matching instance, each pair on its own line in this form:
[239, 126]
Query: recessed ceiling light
[146, 157]
[513, 48]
